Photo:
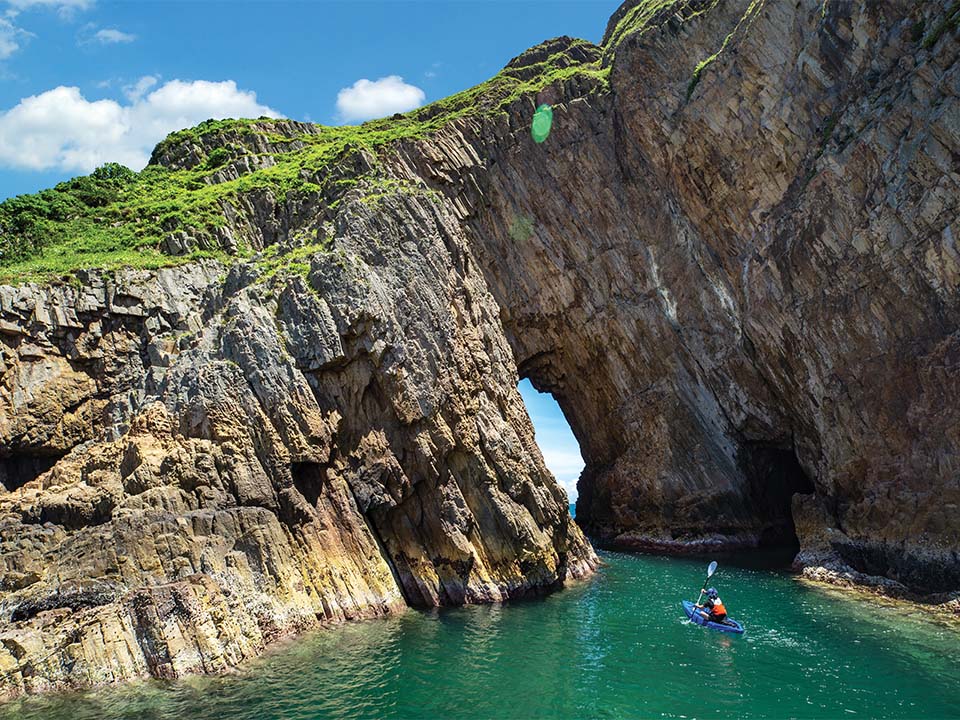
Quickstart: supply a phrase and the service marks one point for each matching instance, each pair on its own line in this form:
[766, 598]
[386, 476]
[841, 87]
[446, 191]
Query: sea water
[616, 646]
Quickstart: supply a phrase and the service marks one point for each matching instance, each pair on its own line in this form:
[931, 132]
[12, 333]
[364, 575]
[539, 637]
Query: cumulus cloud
[11, 38]
[112, 36]
[64, 7]
[138, 89]
[565, 464]
[60, 129]
[368, 99]
[91, 34]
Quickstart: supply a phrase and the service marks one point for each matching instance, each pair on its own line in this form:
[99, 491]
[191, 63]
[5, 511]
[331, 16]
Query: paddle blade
[711, 569]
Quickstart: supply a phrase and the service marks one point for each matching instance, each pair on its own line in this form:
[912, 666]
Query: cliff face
[244, 457]
[741, 280]
[732, 262]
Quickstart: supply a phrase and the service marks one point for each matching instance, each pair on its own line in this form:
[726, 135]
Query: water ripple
[616, 647]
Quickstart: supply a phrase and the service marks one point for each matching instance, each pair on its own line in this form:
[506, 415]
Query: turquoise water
[616, 646]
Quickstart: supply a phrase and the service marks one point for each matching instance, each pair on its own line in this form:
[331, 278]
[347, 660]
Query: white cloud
[90, 34]
[112, 36]
[139, 88]
[368, 99]
[11, 38]
[566, 466]
[563, 462]
[61, 129]
[64, 7]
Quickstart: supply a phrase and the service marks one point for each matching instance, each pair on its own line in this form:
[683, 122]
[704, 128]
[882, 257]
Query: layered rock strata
[732, 262]
[245, 457]
[737, 273]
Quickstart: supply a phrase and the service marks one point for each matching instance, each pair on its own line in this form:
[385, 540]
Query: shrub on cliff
[28, 223]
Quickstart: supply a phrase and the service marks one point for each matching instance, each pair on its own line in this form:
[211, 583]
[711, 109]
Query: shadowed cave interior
[775, 476]
[19, 469]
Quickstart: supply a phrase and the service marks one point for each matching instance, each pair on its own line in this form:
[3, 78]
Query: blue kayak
[728, 625]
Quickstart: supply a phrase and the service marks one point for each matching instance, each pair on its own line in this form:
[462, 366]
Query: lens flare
[542, 122]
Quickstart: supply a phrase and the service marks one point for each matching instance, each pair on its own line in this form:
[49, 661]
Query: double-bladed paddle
[711, 569]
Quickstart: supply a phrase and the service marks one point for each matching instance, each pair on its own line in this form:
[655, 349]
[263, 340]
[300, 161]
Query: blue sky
[84, 82]
[560, 449]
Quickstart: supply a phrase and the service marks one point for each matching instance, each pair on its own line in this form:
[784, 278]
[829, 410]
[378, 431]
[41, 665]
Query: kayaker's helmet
[712, 593]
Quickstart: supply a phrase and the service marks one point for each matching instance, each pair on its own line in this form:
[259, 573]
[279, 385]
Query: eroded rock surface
[246, 456]
[733, 263]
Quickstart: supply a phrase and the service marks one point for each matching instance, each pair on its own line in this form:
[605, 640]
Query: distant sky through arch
[560, 449]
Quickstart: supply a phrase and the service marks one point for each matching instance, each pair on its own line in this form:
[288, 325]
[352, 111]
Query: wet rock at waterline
[250, 457]
[732, 262]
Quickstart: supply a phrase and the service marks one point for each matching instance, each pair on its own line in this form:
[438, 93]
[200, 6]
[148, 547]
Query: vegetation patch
[521, 228]
[376, 189]
[276, 260]
[115, 217]
[646, 15]
[639, 18]
[218, 157]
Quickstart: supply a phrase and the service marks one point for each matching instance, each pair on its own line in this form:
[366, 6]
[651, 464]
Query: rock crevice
[732, 263]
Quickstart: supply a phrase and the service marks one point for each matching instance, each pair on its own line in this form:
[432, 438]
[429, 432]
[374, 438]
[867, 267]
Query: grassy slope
[114, 217]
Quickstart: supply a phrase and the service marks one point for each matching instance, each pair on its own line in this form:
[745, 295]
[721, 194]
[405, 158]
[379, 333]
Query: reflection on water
[617, 646]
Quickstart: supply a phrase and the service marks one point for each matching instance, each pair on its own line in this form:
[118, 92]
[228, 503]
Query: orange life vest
[718, 608]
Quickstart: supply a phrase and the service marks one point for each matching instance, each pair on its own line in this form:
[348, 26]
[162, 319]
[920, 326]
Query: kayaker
[713, 609]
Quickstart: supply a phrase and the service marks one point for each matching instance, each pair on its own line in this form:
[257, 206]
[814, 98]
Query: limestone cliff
[732, 262]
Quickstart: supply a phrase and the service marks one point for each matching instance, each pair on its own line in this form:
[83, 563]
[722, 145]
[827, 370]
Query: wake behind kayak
[728, 625]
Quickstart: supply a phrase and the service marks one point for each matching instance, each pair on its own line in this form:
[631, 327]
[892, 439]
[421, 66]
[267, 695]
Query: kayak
[728, 625]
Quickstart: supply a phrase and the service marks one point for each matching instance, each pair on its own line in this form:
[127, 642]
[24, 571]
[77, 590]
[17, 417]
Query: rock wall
[732, 262]
[736, 270]
[246, 456]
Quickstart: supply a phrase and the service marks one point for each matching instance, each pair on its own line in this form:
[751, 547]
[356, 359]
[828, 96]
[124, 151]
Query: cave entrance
[17, 470]
[559, 447]
[775, 476]
[308, 478]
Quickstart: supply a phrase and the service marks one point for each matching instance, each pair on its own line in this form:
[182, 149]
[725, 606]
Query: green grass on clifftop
[636, 19]
[115, 217]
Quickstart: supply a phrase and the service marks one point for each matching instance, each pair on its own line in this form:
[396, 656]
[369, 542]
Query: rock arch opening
[557, 443]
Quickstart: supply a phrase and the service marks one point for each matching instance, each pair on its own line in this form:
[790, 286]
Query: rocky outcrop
[247, 456]
[736, 271]
[732, 263]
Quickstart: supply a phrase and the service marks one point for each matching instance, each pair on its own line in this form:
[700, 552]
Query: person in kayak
[713, 609]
